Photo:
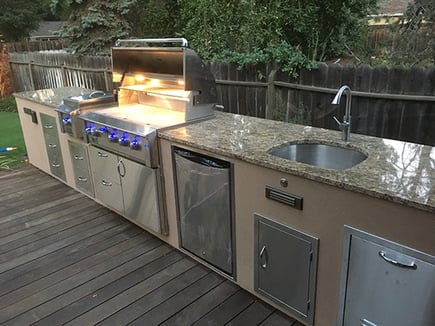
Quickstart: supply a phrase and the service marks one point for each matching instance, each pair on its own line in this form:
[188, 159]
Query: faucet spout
[345, 125]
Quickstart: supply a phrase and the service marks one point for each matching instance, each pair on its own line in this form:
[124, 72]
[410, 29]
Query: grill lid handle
[183, 41]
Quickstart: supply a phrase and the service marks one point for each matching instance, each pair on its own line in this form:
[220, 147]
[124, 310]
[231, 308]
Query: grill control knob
[123, 140]
[67, 120]
[113, 136]
[103, 130]
[135, 144]
[90, 130]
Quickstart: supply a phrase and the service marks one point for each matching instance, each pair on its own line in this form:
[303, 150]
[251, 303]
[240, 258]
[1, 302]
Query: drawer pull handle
[365, 322]
[384, 256]
[263, 257]
[55, 165]
[78, 158]
[106, 183]
[82, 179]
[101, 154]
[52, 145]
[47, 126]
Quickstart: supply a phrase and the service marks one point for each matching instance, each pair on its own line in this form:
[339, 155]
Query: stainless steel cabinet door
[387, 284]
[285, 266]
[204, 208]
[107, 184]
[139, 187]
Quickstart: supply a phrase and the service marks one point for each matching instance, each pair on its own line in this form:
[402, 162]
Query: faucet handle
[340, 124]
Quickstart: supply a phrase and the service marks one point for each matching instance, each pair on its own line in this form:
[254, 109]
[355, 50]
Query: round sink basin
[320, 155]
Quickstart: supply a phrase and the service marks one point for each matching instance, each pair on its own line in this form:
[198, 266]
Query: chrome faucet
[345, 125]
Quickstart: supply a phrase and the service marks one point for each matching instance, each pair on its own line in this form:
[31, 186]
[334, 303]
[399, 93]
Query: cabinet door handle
[47, 126]
[393, 261]
[106, 183]
[55, 165]
[121, 171]
[82, 179]
[52, 145]
[78, 158]
[101, 154]
[263, 257]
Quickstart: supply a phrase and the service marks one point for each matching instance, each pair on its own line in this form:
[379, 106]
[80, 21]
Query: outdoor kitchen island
[390, 195]
[278, 203]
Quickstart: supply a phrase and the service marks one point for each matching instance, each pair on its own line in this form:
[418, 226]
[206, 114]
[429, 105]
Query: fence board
[362, 112]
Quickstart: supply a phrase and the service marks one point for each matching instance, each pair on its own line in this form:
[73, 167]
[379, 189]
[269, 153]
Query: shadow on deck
[64, 259]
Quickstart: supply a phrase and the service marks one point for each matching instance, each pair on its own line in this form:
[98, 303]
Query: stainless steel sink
[320, 155]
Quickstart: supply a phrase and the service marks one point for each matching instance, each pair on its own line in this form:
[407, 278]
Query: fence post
[32, 83]
[270, 101]
[64, 79]
[106, 80]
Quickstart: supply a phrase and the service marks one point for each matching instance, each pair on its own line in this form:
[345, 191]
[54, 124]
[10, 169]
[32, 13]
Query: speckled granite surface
[52, 96]
[396, 171]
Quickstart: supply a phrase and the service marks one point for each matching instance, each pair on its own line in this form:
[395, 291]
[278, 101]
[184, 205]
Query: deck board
[64, 259]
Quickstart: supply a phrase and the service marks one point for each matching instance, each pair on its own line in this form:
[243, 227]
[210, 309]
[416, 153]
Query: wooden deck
[64, 259]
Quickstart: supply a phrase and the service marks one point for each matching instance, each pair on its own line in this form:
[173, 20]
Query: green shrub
[8, 104]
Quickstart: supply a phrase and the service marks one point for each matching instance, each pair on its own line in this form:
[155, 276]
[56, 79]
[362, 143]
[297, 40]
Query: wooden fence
[395, 103]
[38, 70]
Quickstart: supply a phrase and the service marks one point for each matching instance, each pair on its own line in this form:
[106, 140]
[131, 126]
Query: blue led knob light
[123, 140]
[113, 136]
[135, 144]
[90, 130]
[67, 120]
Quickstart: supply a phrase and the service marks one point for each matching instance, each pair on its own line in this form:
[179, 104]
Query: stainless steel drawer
[385, 283]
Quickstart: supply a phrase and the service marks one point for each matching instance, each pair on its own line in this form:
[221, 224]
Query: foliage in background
[416, 34]
[8, 104]
[18, 18]
[291, 33]
[316, 29]
[407, 41]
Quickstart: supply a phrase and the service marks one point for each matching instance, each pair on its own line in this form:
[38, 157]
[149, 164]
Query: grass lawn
[11, 136]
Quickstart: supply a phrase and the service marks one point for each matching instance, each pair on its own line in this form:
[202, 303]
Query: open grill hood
[172, 72]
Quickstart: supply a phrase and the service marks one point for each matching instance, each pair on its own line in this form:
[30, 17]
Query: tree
[94, 25]
[18, 18]
[318, 28]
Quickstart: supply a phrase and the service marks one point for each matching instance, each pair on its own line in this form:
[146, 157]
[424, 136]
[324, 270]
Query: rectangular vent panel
[284, 197]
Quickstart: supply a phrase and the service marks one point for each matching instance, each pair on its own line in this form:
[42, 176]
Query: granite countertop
[396, 171]
[51, 96]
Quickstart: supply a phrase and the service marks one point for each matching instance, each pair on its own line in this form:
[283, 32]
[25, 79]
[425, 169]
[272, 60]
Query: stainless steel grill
[156, 87]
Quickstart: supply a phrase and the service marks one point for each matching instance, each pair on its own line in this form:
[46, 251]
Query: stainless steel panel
[204, 210]
[385, 283]
[81, 168]
[285, 266]
[52, 144]
[104, 162]
[139, 188]
[146, 152]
